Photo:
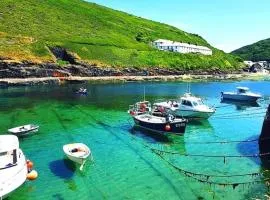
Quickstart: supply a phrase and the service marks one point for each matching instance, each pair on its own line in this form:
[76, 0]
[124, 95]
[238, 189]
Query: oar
[81, 167]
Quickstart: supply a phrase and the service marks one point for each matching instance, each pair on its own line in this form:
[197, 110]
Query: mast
[144, 93]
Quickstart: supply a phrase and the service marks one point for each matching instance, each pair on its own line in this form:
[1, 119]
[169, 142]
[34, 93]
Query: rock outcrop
[33, 70]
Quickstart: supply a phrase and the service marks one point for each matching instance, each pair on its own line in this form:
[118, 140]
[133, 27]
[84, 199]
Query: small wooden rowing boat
[24, 130]
[77, 152]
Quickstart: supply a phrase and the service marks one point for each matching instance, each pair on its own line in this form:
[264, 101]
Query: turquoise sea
[208, 162]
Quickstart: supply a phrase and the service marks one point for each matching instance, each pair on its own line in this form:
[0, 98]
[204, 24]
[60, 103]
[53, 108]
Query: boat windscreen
[6, 160]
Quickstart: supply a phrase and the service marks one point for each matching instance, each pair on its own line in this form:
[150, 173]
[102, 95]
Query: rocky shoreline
[25, 73]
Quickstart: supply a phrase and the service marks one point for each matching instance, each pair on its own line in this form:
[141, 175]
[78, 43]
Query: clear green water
[124, 168]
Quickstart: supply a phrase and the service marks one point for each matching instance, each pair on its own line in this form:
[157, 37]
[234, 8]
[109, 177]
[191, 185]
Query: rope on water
[195, 175]
[210, 175]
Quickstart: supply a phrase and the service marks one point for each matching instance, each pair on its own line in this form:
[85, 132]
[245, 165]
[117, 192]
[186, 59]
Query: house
[168, 45]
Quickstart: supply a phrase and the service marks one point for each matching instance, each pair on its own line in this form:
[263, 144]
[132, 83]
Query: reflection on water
[241, 105]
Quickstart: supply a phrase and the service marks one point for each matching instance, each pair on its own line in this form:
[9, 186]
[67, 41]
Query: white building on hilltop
[168, 45]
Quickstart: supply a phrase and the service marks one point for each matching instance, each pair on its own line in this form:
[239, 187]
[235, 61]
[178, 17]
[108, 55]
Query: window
[186, 103]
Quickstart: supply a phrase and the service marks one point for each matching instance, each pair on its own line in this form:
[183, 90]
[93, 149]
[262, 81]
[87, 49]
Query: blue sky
[225, 24]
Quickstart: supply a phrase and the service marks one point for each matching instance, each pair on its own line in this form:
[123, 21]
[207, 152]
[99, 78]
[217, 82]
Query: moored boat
[24, 130]
[242, 94]
[77, 152]
[188, 106]
[159, 124]
[13, 169]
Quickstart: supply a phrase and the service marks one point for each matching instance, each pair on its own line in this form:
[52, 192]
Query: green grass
[97, 35]
[256, 52]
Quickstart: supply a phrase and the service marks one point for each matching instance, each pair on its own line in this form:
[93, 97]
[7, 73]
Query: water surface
[124, 165]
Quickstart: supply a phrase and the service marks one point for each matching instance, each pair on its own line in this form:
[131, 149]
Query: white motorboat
[13, 169]
[242, 94]
[140, 108]
[188, 106]
[77, 152]
[24, 130]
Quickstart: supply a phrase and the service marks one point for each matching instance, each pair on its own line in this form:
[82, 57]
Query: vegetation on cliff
[258, 51]
[30, 29]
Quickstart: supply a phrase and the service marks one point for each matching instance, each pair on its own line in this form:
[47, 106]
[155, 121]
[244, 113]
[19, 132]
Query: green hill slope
[29, 28]
[256, 52]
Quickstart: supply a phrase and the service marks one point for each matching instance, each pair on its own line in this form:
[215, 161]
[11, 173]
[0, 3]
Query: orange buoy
[29, 165]
[32, 175]
[167, 127]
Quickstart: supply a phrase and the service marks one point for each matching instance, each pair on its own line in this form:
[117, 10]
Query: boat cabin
[241, 90]
[9, 146]
[191, 101]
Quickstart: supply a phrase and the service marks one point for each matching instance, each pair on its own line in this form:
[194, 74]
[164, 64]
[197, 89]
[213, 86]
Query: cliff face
[33, 70]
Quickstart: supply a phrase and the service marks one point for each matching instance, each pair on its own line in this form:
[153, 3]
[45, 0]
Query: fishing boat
[188, 106]
[140, 108]
[24, 130]
[77, 152]
[162, 125]
[13, 169]
[241, 94]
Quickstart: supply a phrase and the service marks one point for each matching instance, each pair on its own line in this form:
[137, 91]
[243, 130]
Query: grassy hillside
[256, 52]
[28, 28]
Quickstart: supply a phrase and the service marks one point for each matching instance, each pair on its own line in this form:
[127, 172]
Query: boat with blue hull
[162, 125]
[242, 94]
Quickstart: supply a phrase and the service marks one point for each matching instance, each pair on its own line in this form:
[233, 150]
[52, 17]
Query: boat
[140, 107]
[163, 125]
[24, 130]
[77, 152]
[81, 91]
[13, 169]
[242, 94]
[188, 106]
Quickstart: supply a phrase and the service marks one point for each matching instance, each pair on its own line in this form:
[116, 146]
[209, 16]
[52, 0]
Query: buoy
[32, 175]
[167, 127]
[29, 165]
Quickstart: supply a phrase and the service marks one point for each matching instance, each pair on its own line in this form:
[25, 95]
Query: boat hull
[177, 128]
[18, 178]
[77, 160]
[237, 97]
[191, 114]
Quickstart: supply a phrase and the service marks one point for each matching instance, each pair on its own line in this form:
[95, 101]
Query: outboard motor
[264, 140]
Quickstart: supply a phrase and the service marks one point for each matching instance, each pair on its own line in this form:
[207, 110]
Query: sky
[225, 24]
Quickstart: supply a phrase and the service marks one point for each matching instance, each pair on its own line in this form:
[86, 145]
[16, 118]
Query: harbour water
[129, 164]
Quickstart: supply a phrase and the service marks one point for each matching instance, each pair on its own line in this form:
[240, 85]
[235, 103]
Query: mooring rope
[210, 175]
